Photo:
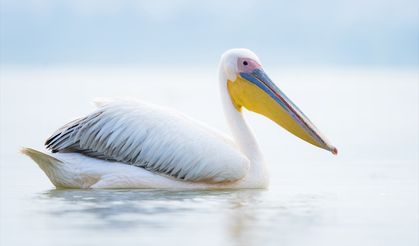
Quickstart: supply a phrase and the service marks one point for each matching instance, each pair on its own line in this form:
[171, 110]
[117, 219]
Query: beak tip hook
[334, 151]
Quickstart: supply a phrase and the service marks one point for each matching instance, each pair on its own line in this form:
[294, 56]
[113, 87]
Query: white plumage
[157, 139]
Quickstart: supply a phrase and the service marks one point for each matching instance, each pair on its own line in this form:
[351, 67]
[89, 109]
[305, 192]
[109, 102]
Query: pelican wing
[154, 138]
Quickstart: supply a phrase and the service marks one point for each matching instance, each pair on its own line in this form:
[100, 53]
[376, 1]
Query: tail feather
[60, 172]
[50, 165]
[40, 158]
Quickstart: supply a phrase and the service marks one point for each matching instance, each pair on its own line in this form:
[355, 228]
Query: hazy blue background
[351, 66]
[348, 32]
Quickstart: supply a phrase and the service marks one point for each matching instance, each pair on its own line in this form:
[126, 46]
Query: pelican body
[133, 144]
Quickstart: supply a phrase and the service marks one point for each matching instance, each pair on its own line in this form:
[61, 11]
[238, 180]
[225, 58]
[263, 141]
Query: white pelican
[126, 144]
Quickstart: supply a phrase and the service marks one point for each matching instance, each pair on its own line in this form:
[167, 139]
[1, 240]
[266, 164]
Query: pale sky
[349, 32]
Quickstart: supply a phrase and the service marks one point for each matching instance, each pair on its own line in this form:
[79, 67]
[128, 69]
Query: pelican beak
[256, 92]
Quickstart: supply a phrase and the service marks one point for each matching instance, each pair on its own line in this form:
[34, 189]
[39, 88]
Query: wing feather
[153, 138]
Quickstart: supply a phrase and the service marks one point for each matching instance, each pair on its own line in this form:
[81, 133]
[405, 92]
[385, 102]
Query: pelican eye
[245, 63]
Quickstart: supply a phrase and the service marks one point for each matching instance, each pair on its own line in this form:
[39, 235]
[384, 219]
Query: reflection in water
[126, 209]
[242, 218]
[245, 217]
[255, 218]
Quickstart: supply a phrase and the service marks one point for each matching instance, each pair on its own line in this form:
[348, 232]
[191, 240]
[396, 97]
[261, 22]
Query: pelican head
[250, 87]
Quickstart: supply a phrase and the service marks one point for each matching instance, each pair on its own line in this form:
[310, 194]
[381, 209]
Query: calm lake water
[367, 195]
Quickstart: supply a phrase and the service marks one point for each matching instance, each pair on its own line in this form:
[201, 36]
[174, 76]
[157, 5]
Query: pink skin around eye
[247, 65]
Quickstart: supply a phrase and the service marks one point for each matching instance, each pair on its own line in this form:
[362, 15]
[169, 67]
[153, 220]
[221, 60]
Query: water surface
[368, 195]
